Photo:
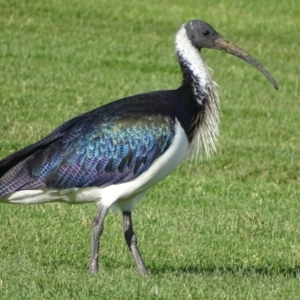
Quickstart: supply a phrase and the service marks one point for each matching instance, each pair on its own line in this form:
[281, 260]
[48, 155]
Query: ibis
[113, 154]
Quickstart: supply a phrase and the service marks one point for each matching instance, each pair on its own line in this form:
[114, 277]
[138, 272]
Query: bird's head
[202, 35]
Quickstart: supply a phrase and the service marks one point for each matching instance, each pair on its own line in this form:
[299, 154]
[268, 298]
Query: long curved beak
[224, 45]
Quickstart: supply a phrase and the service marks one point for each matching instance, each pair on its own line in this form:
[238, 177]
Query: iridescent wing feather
[102, 147]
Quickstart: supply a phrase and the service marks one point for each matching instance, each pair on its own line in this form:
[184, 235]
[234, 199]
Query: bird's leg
[131, 240]
[97, 229]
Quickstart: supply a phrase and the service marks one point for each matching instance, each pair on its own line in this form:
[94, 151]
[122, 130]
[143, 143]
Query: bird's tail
[39, 196]
[14, 178]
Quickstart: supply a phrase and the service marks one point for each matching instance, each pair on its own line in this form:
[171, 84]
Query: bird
[113, 154]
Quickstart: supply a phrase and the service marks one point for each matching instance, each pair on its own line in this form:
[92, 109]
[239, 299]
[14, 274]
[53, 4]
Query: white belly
[129, 192]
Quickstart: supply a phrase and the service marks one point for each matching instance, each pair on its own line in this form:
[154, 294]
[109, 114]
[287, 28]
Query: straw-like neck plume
[197, 77]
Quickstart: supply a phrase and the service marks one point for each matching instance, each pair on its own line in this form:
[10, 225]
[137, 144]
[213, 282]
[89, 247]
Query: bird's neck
[197, 79]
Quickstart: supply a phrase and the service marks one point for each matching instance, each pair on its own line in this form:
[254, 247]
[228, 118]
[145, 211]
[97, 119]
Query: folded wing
[96, 149]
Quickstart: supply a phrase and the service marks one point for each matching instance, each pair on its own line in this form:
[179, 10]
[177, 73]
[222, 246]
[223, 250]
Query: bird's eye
[205, 32]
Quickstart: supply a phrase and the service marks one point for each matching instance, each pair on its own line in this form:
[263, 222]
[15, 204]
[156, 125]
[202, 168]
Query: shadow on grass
[236, 270]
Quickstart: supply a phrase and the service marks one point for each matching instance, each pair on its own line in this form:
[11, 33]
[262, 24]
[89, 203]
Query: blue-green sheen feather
[98, 150]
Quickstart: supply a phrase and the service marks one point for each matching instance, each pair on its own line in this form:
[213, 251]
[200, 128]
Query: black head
[202, 35]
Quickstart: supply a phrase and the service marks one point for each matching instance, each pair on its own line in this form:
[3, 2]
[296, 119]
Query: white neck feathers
[205, 93]
[191, 59]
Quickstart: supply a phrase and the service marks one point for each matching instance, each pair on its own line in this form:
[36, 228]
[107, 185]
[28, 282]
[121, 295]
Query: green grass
[227, 228]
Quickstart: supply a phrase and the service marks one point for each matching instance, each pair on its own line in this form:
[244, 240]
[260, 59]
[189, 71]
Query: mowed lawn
[227, 228]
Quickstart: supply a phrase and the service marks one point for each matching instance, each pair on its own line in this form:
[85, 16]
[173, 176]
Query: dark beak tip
[275, 85]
